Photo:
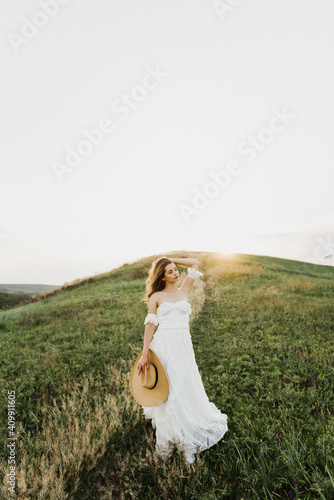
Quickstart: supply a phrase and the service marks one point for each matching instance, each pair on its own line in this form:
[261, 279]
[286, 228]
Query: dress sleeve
[193, 273]
[151, 318]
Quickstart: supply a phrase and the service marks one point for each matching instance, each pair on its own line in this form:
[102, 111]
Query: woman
[187, 418]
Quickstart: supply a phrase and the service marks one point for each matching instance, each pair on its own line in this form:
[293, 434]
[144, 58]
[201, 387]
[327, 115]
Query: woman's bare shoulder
[154, 299]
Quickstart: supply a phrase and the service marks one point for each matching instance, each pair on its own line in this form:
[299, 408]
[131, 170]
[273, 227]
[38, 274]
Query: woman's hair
[154, 281]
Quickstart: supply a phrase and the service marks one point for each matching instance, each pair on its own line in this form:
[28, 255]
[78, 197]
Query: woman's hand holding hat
[142, 363]
[151, 387]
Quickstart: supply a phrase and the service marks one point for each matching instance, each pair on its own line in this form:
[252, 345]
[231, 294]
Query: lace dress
[187, 418]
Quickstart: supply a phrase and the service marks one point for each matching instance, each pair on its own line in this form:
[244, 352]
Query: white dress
[187, 418]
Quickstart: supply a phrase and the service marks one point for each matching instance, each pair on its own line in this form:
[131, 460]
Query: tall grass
[74, 434]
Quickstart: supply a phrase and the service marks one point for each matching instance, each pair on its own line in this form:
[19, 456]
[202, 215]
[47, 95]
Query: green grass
[263, 341]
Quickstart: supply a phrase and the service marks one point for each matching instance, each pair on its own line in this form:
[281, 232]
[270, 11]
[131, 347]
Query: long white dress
[187, 418]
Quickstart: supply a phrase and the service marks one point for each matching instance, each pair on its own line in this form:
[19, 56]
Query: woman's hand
[142, 363]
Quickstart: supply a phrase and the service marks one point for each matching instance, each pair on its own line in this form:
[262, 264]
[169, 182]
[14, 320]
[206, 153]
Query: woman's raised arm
[185, 261]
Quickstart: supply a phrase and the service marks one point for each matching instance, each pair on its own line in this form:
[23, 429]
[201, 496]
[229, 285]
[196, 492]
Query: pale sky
[215, 132]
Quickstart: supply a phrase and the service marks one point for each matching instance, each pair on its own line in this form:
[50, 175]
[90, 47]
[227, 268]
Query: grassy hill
[262, 332]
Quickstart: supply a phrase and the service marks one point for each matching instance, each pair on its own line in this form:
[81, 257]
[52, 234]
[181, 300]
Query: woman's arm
[149, 331]
[183, 261]
[143, 362]
[149, 327]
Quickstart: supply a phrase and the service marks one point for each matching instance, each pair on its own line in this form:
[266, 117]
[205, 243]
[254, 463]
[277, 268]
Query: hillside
[262, 331]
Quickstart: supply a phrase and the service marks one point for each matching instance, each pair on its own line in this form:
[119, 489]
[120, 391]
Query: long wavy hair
[154, 281]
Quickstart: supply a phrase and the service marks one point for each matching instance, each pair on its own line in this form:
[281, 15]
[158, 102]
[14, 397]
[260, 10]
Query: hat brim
[143, 395]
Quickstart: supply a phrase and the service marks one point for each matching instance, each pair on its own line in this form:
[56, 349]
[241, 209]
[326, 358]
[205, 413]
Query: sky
[137, 128]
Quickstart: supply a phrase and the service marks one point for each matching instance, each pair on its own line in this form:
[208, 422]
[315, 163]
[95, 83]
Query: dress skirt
[187, 419]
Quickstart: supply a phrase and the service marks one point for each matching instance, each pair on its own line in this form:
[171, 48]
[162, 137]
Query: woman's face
[171, 273]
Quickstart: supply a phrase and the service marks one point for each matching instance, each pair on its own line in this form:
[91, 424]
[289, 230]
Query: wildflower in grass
[278, 435]
[290, 494]
[296, 479]
[304, 450]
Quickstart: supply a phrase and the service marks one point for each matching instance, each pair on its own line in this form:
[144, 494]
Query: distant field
[9, 300]
[33, 289]
[13, 294]
[263, 336]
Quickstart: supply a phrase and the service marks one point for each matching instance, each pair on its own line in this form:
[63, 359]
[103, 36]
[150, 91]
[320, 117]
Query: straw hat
[150, 388]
